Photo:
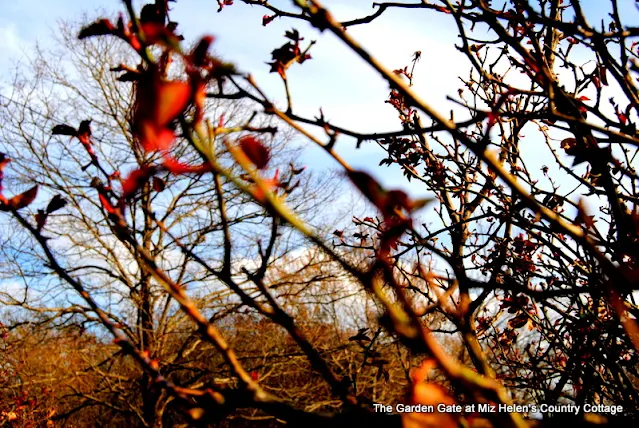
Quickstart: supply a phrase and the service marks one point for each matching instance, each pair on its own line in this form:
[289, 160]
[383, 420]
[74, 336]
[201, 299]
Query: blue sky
[347, 90]
[349, 93]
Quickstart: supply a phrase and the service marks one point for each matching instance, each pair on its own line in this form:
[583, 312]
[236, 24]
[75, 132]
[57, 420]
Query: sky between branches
[349, 93]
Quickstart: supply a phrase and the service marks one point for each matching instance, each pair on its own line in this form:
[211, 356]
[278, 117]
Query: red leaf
[596, 81]
[158, 184]
[429, 394]
[222, 3]
[154, 32]
[171, 100]
[153, 137]
[23, 199]
[493, 117]
[622, 118]
[257, 153]
[158, 103]
[176, 167]
[136, 180]
[152, 19]
[266, 19]
[108, 207]
[603, 74]
[518, 321]
[84, 134]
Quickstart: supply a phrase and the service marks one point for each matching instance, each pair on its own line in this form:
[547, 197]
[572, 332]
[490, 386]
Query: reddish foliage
[158, 104]
[136, 180]
[176, 167]
[256, 151]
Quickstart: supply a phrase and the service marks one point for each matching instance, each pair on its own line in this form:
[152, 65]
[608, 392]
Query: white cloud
[12, 45]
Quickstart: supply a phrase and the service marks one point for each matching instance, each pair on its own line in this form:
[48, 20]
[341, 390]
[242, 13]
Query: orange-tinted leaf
[429, 394]
[199, 98]
[157, 32]
[23, 199]
[622, 118]
[172, 99]
[157, 104]
[136, 180]
[154, 137]
[568, 144]
[270, 184]
[257, 153]
[443, 9]
[84, 134]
